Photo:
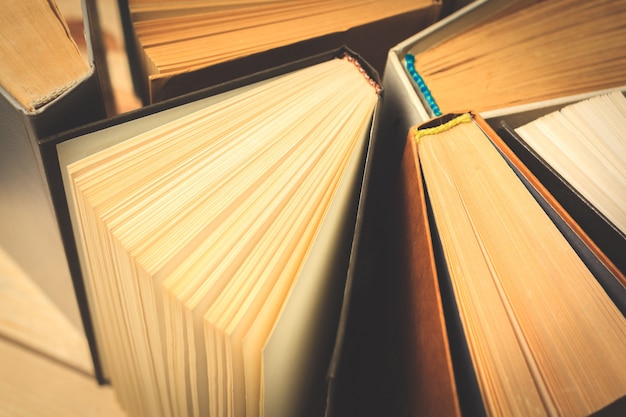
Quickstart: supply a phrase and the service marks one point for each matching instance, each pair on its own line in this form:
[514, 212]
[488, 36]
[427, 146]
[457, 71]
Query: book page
[189, 227]
[519, 286]
[585, 143]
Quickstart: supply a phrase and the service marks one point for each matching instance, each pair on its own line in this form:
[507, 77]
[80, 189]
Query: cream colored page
[307, 322]
[73, 150]
[290, 253]
[275, 258]
[229, 254]
[488, 67]
[30, 318]
[128, 366]
[146, 201]
[586, 144]
[215, 254]
[33, 385]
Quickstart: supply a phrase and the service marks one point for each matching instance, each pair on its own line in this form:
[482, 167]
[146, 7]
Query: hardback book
[46, 86]
[493, 286]
[496, 54]
[217, 237]
[177, 47]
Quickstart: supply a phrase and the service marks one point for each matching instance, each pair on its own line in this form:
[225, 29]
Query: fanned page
[544, 337]
[177, 36]
[194, 233]
[40, 60]
[586, 144]
[533, 51]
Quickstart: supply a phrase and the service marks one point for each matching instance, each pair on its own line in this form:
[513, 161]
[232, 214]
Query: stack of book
[329, 208]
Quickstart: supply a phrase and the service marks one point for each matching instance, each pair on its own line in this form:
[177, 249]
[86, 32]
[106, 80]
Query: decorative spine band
[362, 70]
[410, 66]
[418, 133]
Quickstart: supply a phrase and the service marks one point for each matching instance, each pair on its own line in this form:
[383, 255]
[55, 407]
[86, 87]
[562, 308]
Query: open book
[215, 239]
[511, 303]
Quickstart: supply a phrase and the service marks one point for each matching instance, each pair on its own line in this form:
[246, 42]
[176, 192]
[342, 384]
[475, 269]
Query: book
[496, 54]
[575, 151]
[528, 52]
[177, 47]
[216, 235]
[46, 86]
[502, 286]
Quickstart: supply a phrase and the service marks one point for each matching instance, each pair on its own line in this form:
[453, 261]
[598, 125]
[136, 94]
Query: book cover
[342, 257]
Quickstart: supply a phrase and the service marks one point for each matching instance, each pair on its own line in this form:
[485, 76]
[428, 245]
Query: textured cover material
[28, 229]
[352, 252]
[372, 41]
